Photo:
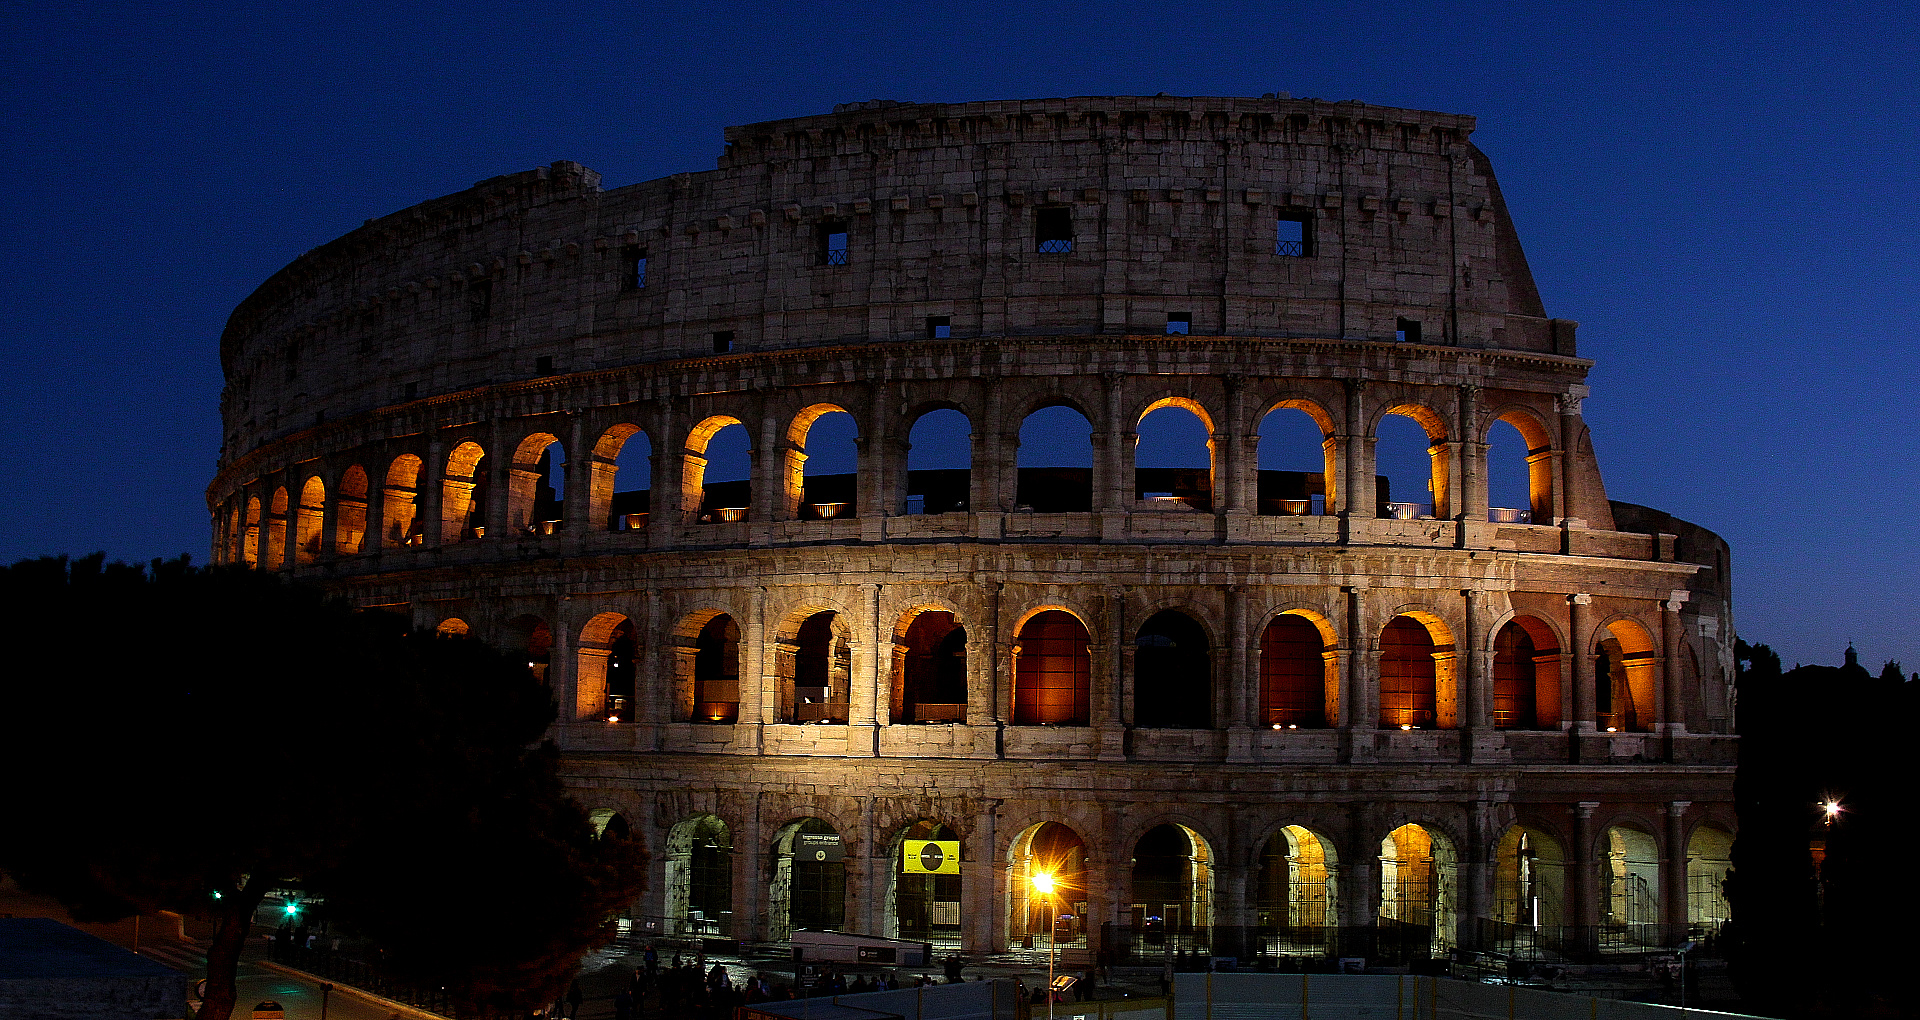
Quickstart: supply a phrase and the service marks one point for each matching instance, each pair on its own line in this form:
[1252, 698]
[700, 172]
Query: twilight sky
[1725, 198]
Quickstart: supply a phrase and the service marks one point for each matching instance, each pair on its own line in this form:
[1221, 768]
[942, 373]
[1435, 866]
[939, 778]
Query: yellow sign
[930, 857]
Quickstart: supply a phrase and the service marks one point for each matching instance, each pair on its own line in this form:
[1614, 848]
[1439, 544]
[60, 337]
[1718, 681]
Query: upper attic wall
[1173, 206]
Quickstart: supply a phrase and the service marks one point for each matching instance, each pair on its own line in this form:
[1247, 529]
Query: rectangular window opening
[480, 299]
[939, 327]
[722, 341]
[833, 243]
[1053, 230]
[1293, 234]
[543, 364]
[1406, 331]
[1179, 323]
[410, 390]
[634, 276]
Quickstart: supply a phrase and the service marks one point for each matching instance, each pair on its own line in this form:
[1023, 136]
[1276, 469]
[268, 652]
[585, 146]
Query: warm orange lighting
[1276, 726]
[1043, 883]
[1406, 726]
[613, 718]
[1613, 729]
[1831, 809]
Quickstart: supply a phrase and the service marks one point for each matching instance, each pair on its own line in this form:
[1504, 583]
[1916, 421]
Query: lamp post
[1043, 884]
[1685, 947]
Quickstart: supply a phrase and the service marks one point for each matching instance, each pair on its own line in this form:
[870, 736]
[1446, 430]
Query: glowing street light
[1043, 884]
[1831, 810]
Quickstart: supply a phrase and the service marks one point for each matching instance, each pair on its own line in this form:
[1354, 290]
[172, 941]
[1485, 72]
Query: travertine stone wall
[379, 384]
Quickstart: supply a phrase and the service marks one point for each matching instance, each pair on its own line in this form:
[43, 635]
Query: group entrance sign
[818, 847]
[930, 857]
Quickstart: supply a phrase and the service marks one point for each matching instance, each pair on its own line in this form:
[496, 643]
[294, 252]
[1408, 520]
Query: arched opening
[717, 481]
[1410, 464]
[250, 545]
[1709, 859]
[814, 665]
[1055, 462]
[1526, 676]
[399, 505]
[699, 877]
[1417, 882]
[1051, 671]
[940, 463]
[604, 668]
[350, 531]
[1172, 881]
[1623, 679]
[930, 670]
[1529, 879]
[1633, 884]
[463, 495]
[809, 886]
[1417, 681]
[310, 521]
[609, 824]
[1299, 462]
[1519, 471]
[1299, 673]
[1172, 673]
[923, 871]
[1295, 892]
[1173, 456]
[531, 639]
[823, 464]
[621, 479]
[716, 672]
[275, 553]
[452, 627]
[1057, 851]
[536, 486]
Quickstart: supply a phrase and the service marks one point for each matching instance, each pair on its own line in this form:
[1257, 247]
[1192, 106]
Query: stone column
[866, 886]
[1673, 870]
[1583, 685]
[749, 875]
[1359, 693]
[1471, 466]
[983, 879]
[501, 472]
[1240, 700]
[432, 493]
[576, 503]
[1113, 445]
[1570, 509]
[1581, 878]
[987, 658]
[749, 732]
[863, 727]
[1108, 680]
[1476, 880]
[1356, 445]
[1360, 885]
[1237, 467]
[1673, 713]
[767, 466]
[1475, 679]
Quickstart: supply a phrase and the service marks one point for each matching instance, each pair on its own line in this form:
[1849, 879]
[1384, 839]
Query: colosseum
[815, 486]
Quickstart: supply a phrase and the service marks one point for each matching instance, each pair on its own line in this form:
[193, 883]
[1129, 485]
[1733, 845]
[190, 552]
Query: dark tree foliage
[172, 732]
[1839, 942]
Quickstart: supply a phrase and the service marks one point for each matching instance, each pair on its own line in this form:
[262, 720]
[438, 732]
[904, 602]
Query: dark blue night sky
[1726, 198]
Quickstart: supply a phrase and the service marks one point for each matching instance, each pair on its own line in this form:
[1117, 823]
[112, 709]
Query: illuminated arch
[1056, 850]
[606, 661]
[1624, 675]
[463, 491]
[603, 481]
[1709, 860]
[707, 667]
[309, 521]
[1529, 879]
[1418, 878]
[399, 504]
[838, 499]
[1172, 879]
[1181, 484]
[1632, 904]
[1540, 454]
[275, 554]
[808, 886]
[693, 476]
[1419, 686]
[250, 544]
[531, 494]
[929, 674]
[922, 907]
[350, 508]
[452, 627]
[1299, 671]
[1278, 493]
[1526, 675]
[1439, 472]
[1052, 669]
[1296, 889]
[813, 667]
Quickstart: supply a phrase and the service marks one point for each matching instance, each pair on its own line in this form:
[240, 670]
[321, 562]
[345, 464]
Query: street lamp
[1685, 947]
[1043, 884]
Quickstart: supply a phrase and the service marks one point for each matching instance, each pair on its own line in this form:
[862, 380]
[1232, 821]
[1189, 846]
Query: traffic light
[293, 909]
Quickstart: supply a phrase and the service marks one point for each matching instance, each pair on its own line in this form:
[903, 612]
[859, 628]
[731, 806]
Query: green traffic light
[292, 909]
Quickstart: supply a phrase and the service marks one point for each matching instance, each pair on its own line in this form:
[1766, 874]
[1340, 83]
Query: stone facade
[1287, 669]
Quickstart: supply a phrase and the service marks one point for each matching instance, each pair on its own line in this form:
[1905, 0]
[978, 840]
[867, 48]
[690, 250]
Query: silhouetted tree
[175, 733]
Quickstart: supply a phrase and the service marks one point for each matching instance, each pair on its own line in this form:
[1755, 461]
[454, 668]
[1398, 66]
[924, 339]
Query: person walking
[573, 1000]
